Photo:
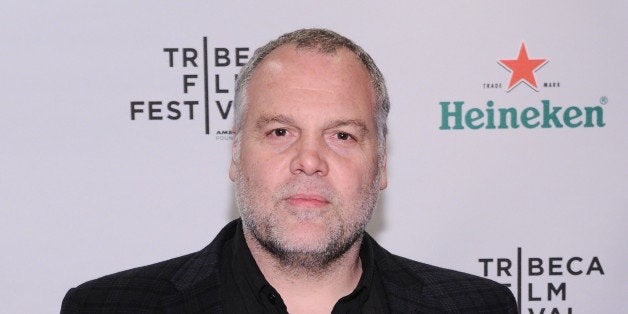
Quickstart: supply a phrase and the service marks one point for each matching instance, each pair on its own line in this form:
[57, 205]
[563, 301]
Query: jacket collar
[204, 265]
[403, 287]
[202, 272]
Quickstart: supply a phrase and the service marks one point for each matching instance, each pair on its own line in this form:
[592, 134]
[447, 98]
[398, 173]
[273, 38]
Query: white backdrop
[85, 190]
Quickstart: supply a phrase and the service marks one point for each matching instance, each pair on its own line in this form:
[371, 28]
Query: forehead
[300, 78]
[304, 59]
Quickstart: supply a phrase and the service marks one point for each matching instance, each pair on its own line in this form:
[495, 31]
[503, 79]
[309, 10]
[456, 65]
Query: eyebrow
[263, 121]
[266, 120]
[351, 122]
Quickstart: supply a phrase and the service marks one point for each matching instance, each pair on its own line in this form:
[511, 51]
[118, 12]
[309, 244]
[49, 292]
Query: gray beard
[310, 261]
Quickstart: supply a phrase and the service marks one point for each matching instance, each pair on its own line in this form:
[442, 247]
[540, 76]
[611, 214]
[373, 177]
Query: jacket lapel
[403, 288]
[198, 280]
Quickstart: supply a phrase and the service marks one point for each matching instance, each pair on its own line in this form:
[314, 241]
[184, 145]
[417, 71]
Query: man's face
[308, 173]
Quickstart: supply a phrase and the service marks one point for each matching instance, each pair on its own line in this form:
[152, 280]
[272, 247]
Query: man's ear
[383, 179]
[232, 167]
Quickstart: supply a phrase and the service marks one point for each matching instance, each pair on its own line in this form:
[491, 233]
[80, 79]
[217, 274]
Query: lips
[307, 200]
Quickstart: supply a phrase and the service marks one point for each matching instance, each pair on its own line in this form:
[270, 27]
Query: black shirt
[245, 290]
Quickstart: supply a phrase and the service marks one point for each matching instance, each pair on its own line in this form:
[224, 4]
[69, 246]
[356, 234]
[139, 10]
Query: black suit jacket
[191, 284]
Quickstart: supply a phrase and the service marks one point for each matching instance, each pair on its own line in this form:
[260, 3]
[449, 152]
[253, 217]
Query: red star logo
[522, 69]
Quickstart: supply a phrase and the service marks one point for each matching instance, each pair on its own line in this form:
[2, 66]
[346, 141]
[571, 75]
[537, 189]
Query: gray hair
[326, 42]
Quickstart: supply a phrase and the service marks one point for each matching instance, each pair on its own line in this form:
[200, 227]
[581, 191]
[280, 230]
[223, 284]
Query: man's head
[325, 42]
[309, 155]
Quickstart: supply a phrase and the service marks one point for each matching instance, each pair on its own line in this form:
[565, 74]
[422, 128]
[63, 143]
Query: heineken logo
[537, 113]
[457, 115]
[522, 69]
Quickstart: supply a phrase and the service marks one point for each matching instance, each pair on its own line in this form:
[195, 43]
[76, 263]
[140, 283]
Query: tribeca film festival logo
[459, 115]
[210, 72]
[541, 279]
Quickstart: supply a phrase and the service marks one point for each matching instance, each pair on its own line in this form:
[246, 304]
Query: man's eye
[279, 132]
[343, 136]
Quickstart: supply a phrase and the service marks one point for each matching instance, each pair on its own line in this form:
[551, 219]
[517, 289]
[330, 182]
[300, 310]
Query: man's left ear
[383, 179]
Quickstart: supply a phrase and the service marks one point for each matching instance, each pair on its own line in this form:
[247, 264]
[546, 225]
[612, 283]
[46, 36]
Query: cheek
[353, 178]
[261, 174]
[263, 164]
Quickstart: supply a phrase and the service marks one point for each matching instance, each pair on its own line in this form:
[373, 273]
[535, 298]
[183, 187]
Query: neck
[307, 289]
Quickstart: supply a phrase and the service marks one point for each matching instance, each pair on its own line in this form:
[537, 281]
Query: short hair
[325, 42]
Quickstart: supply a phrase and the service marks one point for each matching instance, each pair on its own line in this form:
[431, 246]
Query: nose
[309, 158]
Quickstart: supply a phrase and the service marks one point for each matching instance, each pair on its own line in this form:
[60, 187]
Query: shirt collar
[250, 279]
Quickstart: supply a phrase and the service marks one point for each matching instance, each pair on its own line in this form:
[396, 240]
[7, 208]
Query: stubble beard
[340, 236]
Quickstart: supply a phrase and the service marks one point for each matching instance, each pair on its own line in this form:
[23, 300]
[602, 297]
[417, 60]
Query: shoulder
[144, 286]
[427, 288]
[189, 281]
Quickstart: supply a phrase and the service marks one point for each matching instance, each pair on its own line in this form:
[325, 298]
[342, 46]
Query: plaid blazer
[191, 284]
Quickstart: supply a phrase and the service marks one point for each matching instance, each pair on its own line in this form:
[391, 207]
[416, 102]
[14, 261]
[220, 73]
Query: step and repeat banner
[507, 153]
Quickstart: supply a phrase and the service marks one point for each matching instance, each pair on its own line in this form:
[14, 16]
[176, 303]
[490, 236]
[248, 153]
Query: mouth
[307, 201]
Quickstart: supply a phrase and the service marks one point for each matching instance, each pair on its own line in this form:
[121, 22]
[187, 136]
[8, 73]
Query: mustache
[307, 186]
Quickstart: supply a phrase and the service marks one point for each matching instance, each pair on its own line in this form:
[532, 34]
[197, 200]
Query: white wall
[86, 191]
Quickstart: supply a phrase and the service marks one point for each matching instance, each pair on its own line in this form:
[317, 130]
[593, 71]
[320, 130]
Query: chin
[308, 242]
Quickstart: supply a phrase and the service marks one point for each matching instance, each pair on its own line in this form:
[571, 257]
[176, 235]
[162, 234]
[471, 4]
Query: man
[309, 160]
